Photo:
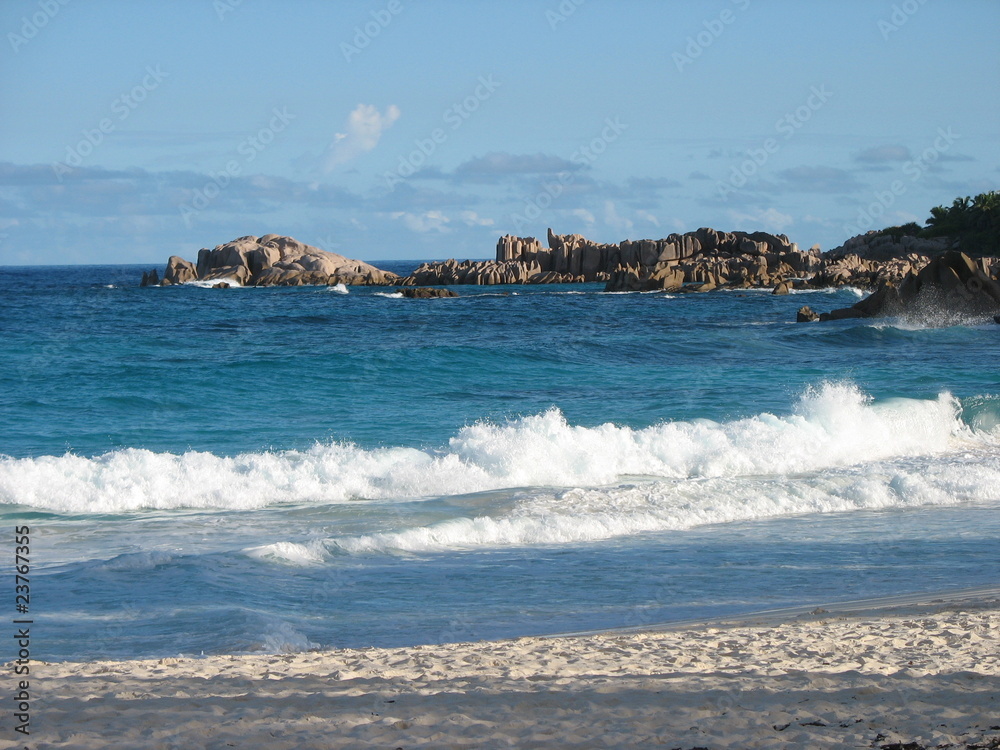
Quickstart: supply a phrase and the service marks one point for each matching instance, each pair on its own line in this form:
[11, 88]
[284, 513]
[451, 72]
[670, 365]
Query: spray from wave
[834, 425]
[595, 514]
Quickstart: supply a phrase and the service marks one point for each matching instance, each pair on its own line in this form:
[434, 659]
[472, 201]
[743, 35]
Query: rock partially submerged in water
[425, 292]
[179, 271]
[806, 315]
[952, 285]
[273, 260]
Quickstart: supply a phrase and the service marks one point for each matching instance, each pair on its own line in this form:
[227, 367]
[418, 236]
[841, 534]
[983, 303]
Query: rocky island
[944, 267]
[271, 260]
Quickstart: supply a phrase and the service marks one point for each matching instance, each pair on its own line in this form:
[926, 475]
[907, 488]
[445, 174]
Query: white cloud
[770, 220]
[429, 221]
[585, 215]
[647, 216]
[365, 126]
[475, 220]
[615, 220]
[438, 221]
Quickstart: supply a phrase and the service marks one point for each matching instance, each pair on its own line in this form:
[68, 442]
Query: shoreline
[922, 669]
[896, 604]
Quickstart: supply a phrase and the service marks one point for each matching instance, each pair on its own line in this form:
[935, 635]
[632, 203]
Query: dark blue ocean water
[277, 469]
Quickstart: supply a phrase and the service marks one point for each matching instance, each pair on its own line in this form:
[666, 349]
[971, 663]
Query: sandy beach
[921, 671]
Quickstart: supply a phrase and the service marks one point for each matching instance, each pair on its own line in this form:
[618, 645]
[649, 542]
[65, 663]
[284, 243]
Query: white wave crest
[833, 425]
[289, 553]
[587, 515]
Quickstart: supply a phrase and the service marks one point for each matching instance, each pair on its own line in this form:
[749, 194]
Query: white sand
[925, 672]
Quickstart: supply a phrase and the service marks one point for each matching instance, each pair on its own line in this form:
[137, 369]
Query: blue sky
[402, 129]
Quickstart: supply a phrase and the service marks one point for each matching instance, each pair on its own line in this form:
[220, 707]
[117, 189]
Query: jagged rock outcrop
[706, 258]
[951, 286]
[150, 278]
[522, 249]
[636, 278]
[273, 260]
[487, 272]
[179, 271]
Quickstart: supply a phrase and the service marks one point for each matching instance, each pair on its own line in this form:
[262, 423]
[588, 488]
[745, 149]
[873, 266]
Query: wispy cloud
[364, 129]
[94, 192]
[819, 180]
[501, 167]
[501, 163]
[615, 220]
[883, 154]
[769, 219]
[955, 157]
[651, 183]
[438, 221]
[647, 216]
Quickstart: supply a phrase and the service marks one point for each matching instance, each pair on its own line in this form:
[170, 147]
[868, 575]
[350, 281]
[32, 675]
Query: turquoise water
[223, 471]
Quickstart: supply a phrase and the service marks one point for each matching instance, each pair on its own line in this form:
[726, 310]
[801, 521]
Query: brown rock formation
[951, 286]
[273, 260]
[484, 272]
[179, 271]
[706, 257]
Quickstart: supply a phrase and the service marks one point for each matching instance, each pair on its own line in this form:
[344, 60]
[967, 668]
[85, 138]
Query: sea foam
[211, 283]
[833, 425]
[594, 514]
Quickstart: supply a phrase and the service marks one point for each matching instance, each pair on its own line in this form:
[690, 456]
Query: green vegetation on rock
[973, 222]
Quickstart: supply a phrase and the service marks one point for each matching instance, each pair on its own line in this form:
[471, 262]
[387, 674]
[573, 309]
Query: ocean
[230, 471]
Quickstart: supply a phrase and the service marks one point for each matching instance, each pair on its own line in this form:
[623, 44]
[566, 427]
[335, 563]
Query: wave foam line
[833, 425]
[588, 515]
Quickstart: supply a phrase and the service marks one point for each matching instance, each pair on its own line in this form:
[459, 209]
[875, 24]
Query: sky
[427, 129]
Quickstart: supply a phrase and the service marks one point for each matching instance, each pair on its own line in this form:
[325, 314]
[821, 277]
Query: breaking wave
[834, 425]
